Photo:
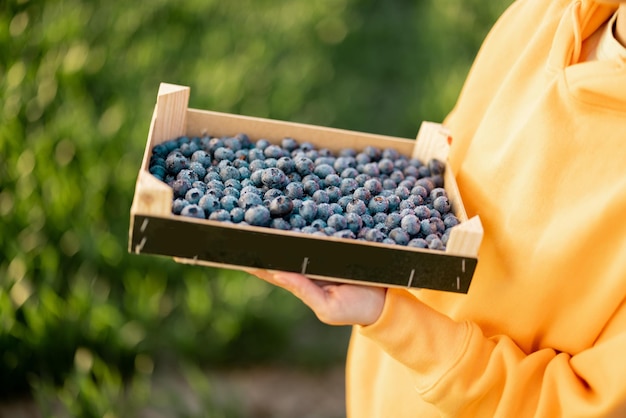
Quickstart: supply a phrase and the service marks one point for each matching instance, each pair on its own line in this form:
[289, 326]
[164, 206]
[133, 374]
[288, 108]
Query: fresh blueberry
[220, 215]
[280, 206]
[442, 204]
[209, 204]
[356, 206]
[258, 215]
[178, 204]
[248, 200]
[378, 204]
[280, 223]
[193, 211]
[410, 224]
[193, 195]
[400, 236]
[308, 210]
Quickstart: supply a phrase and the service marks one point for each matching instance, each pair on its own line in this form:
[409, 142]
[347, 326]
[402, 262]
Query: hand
[333, 303]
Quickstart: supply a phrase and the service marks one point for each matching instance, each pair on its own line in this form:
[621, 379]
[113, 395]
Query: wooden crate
[155, 230]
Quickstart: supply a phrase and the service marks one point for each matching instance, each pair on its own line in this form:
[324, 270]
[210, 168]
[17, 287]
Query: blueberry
[248, 200]
[362, 178]
[356, 206]
[256, 154]
[229, 172]
[280, 223]
[348, 186]
[393, 220]
[193, 211]
[323, 170]
[345, 233]
[201, 157]
[158, 171]
[385, 166]
[442, 204]
[233, 142]
[262, 144]
[160, 150]
[438, 222]
[389, 184]
[224, 153]
[349, 173]
[427, 183]
[209, 204]
[319, 224]
[373, 152]
[422, 212]
[354, 222]
[394, 202]
[310, 186]
[297, 221]
[258, 215]
[334, 193]
[229, 202]
[304, 166]
[289, 144]
[256, 177]
[193, 195]
[450, 220]
[434, 242]
[200, 185]
[323, 211]
[273, 178]
[367, 219]
[321, 196]
[410, 224]
[382, 228]
[181, 187]
[343, 162]
[175, 162]
[436, 167]
[308, 210]
[374, 186]
[371, 169]
[272, 194]
[273, 151]
[428, 227]
[400, 236]
[178, 205]
[374, 235]
[280, 206]
[286, 164]
[188, 175]
[220, 215]
[332, 180]
[363, 194]
[418, 243]
[416, 199]
[378, 204]
[212, 175]
[337, 221]
[237, 214]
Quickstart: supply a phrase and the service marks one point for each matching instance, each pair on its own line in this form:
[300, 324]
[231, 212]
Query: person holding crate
[536, 139]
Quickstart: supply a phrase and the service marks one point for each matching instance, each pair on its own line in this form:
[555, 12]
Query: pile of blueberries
[374, 194]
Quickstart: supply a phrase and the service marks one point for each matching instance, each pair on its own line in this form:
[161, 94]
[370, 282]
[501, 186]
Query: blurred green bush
[78, 80]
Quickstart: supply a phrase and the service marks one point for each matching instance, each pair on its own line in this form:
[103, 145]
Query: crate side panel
[252, 247]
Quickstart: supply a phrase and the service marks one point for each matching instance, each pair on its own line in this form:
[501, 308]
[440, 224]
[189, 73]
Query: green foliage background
[82, 321]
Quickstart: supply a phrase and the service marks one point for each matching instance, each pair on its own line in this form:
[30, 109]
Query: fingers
[301, 286]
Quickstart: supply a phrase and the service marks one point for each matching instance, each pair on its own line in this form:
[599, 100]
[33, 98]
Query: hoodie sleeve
[460, 371]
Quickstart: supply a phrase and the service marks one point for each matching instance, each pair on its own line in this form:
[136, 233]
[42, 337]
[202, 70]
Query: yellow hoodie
[539, 148]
